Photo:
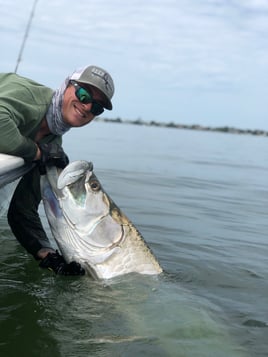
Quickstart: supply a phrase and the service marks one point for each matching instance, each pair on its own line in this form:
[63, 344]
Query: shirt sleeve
[12, 142]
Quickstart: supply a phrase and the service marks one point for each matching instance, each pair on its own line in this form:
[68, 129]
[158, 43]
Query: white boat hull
[11, 169]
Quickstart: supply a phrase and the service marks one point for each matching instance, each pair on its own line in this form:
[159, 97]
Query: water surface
[200, 201]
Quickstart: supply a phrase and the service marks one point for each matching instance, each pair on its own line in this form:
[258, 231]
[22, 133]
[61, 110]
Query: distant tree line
[224, 129]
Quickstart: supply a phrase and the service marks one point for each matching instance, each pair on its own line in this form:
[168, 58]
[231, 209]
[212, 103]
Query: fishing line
[26, 35]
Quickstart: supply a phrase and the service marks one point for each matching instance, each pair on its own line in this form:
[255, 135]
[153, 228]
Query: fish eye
[95, 186]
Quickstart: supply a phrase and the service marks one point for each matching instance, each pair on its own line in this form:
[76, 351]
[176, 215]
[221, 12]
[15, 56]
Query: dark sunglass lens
[97, 109]
[83, 95]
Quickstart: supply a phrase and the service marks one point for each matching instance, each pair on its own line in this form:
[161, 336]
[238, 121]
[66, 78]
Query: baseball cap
[99, 78]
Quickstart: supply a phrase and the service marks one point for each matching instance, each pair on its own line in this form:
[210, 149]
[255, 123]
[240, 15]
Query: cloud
[155, 46]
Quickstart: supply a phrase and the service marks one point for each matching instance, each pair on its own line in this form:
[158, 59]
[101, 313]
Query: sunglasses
[85, 97]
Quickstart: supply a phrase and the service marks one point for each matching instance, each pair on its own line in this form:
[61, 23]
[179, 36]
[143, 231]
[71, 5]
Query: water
[200, 201]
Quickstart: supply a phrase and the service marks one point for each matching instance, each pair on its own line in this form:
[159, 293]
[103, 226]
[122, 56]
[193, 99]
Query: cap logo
[104, 76]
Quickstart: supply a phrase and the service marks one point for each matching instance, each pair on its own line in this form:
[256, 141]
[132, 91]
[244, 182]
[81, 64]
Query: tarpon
[89, 228]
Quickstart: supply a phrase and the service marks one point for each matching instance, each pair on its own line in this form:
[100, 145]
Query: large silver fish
[89, 228]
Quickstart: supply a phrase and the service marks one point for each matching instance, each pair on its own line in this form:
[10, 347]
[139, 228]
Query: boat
[12, 168]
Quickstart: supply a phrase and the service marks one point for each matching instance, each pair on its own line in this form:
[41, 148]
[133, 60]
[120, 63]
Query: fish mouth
[72, 173]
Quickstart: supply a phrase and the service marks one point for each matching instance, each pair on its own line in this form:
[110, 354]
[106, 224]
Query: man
[33, 119]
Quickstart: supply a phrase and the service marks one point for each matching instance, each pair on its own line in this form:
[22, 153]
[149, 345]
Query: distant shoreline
[224, 129]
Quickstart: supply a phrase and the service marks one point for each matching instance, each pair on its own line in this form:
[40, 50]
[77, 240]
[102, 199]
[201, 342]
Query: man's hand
[55, 262]
[52, 154]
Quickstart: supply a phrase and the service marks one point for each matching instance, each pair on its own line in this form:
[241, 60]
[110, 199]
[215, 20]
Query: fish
[89, 227]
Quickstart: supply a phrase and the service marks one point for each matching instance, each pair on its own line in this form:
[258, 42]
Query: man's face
[74, 112]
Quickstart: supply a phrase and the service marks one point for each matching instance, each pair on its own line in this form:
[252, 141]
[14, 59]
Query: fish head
[78, 212]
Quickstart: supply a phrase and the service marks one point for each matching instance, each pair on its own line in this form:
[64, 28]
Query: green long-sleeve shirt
[23, 105]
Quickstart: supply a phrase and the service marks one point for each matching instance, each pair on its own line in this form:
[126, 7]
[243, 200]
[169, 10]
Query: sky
[183, 61]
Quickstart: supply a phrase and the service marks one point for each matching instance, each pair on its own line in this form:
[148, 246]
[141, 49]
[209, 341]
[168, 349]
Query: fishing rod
[26, 35]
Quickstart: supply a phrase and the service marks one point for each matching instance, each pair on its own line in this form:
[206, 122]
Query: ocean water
[200, 201]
